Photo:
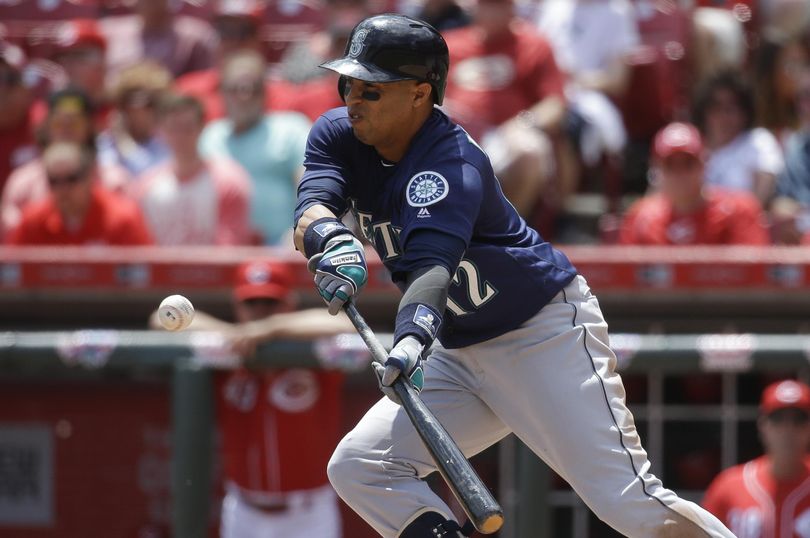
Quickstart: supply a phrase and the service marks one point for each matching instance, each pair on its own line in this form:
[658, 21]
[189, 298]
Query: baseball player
[769, 497]
[518, 341]
[278, 425]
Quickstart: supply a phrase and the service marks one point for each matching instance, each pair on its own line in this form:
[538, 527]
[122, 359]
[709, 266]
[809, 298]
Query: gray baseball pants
[552, 382]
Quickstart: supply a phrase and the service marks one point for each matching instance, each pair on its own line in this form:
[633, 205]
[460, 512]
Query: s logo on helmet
[426, 188]
[357, 43]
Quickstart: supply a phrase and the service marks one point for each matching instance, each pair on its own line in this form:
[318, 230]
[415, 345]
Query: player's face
[381, 114]
[786, 433]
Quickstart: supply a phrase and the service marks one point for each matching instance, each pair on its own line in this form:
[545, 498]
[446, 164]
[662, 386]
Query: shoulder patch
[426, 188]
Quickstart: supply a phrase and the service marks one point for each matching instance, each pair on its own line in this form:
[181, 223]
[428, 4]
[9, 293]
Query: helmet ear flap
[342, 84]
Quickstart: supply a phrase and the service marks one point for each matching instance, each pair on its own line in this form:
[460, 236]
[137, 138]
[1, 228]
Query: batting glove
[340, 270]
[406, 357]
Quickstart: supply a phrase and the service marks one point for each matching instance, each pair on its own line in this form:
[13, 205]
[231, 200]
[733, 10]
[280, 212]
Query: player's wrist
[418, 320]
[320, 232]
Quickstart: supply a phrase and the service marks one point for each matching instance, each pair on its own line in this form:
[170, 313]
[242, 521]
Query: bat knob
[491, 524]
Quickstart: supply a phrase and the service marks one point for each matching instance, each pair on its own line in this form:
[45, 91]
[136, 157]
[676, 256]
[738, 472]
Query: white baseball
[175, 313]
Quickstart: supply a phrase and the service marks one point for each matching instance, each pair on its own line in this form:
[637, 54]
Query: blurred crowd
[608, 121]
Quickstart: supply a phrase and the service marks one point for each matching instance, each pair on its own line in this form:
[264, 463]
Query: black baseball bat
[479, 504]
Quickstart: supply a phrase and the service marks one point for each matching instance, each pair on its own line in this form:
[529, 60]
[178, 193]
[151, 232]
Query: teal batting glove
[340, 270]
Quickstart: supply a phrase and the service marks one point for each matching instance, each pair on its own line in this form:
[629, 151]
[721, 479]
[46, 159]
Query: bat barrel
[474, 497]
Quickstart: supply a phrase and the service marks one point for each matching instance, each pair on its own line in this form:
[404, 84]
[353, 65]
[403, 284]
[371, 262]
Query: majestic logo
[426, 188]
[357, 43]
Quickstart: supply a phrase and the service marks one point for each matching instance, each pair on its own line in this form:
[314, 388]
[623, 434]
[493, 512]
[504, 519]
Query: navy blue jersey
[444, 184]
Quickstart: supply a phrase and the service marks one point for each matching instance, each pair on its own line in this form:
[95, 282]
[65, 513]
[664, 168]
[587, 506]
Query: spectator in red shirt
[17, 145]
[189, 200]
[70, 119]
[183, 44]
[505, 89]
[278, 426]
[78, 211]
[769, 496]
[684, 211]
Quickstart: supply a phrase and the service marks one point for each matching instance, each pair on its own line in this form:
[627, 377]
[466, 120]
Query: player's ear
[422, 92]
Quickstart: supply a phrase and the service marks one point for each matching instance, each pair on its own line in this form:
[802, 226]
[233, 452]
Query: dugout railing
[534, 506]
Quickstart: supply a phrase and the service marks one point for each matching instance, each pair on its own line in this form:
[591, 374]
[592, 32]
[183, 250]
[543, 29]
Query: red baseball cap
[783, 395]
[678, 138]
[262, 280]
[78, 33]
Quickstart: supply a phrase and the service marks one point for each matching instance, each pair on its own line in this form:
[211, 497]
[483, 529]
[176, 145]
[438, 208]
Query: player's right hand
[406, 356]
[340, 270]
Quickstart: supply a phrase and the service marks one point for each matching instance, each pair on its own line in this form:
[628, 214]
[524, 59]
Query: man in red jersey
[682, 210]
[278, 426]
[769, 497]
[78, 210]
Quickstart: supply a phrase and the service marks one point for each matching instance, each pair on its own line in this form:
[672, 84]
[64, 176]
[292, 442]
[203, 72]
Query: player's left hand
[406, 356]
[340, 270]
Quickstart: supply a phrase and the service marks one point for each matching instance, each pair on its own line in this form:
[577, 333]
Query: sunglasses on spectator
[66, 179]
[796, 417]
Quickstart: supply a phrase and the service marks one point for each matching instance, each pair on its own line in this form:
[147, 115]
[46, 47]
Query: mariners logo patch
[357, 43]
[426, 188]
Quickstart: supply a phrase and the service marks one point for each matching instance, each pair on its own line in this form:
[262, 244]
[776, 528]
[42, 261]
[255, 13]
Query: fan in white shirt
[740, 156]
